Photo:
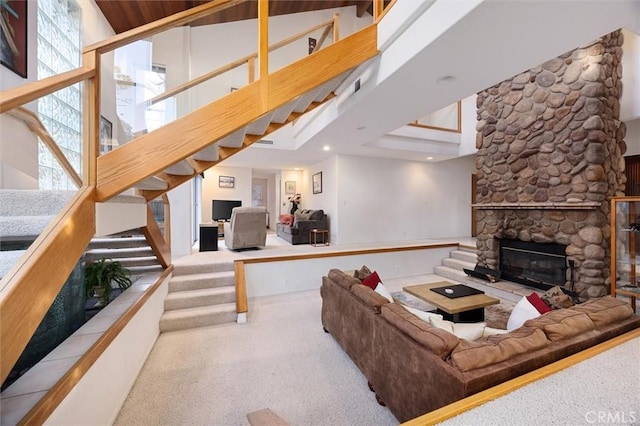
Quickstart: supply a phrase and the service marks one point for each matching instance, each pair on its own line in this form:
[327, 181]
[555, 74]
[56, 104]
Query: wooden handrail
[32, 285]
[34, 124]
[231, 65]
[29, 92]
[161, 25]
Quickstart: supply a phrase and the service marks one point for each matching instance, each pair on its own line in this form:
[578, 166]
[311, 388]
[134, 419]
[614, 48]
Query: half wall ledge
[566, 205]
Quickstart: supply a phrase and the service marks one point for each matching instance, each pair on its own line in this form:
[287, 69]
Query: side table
[313, 237]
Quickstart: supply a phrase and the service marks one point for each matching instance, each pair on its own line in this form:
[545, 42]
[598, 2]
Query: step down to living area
[199, 296]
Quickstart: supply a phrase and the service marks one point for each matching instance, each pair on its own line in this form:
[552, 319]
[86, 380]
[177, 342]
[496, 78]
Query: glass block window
[59, 50]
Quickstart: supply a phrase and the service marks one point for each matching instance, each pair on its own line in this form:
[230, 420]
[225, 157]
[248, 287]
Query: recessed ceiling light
[326, 148]
[296, 168]
[429, 158]
[445, 79]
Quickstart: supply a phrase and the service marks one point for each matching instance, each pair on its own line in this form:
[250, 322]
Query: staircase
[452, 266]
[130, 249]
[200, 296]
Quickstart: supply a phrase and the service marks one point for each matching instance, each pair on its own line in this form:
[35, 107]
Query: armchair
[246, 229]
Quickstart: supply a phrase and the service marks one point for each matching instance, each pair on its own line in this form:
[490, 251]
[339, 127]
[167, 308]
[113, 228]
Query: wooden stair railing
[31, 286]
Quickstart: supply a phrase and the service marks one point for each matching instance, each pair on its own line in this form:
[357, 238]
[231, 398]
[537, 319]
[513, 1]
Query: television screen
[221, 209]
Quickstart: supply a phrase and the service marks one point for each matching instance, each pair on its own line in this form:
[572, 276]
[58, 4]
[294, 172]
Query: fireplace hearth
[539, 265]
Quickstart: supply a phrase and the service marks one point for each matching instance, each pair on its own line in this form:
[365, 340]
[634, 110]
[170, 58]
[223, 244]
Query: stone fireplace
[550, 149]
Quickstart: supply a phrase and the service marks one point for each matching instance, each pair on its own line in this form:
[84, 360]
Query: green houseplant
[100, 275]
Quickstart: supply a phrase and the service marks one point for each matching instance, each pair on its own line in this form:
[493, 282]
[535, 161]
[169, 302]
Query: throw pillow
[286, 219]
[372, 280]
[362, 273]
[424, 316]
[468, 331]
[490, 331]
[556, 298]
[382, 290]
[538, 303]
[522, 312]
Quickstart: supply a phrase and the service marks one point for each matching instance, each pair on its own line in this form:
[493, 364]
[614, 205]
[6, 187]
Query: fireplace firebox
[539, 265]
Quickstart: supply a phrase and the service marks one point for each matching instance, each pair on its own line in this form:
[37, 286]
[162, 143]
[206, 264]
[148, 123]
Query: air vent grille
[265, 142]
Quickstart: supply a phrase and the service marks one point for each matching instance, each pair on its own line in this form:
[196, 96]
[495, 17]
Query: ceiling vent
[265, 142]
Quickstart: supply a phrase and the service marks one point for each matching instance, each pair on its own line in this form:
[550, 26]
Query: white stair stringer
[259, 127]
[233, 140]
[152, 183]
[284, 112]
[200, 295]
[182, 168]
[305, 100]
[330, 86]
[209, 153]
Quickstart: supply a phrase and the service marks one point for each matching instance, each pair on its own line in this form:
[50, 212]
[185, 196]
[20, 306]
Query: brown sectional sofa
[416, 368]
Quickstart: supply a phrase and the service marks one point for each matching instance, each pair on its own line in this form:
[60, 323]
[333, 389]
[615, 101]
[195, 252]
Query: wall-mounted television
[221, 209]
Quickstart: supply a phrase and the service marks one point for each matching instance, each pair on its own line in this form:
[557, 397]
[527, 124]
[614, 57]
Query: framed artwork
[106, 134]
[316, 182]
[226, 182]
[13, 34]
[290, 187]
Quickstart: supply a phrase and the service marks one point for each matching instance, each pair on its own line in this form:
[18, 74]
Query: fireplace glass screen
[540, 265]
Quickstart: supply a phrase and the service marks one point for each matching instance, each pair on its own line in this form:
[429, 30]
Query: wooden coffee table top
[450, 306]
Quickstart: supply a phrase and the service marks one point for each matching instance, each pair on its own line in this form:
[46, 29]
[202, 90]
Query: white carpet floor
[281, 359]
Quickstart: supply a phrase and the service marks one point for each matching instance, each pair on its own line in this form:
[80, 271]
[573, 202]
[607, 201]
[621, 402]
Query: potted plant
[100, 275]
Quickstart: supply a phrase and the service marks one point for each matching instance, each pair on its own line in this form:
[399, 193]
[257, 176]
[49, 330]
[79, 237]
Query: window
[59, 45]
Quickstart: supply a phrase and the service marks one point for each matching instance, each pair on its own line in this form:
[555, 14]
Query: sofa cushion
[523, 311]
[469, 355]
[368, 296]
[302, 215]
[372, 280]
[343, 279]
[468, 331]
[605, 310]
[437, 341]
[562, 324]
[423, 315]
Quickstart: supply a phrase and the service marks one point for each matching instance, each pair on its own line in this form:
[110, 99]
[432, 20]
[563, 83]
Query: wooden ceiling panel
[124, 15]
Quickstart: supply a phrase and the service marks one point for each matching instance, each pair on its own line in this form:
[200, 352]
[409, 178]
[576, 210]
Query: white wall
[211, 190]
[630, 100]
[633, 137]
[181, 201]
[392, 200]
[328, 199]
[291, 176]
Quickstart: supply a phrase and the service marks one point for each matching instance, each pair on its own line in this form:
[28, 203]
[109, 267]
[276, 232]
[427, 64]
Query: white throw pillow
[522, 312]
[381, 290]
[462, 330]
[424, 316]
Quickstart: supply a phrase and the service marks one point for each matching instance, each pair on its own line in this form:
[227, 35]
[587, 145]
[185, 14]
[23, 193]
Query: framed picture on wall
[290, 187]
[106, 134]
[13, 49]
[226, 182]
[316, 182]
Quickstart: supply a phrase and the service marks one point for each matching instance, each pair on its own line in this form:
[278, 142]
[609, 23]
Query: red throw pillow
[372, 280]
[538, 303]
[286, 219]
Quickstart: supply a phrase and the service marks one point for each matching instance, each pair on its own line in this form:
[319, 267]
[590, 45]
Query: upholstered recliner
[247, 228]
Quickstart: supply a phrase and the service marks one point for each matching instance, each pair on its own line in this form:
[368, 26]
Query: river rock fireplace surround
[550, 154]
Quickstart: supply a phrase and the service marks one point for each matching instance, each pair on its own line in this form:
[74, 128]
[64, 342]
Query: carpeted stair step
[200, 281]
[182, 319]
[450, 273]
[457, 264]
[130, 252]
[118, 243]
[469, 248]
[139, 270]
[465, 256]
[202, 297]
[8, 259]
[201, 268]
[132, 262]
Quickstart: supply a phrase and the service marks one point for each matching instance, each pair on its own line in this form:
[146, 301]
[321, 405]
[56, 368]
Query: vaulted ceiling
[124, 15]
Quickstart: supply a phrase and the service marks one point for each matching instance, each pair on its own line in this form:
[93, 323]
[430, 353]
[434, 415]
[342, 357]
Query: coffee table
[461, 309]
